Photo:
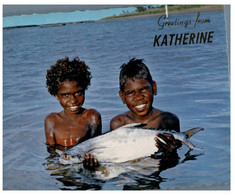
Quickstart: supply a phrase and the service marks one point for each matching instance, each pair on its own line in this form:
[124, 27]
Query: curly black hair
[64, 69]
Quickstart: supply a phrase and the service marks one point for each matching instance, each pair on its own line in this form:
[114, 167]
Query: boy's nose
[138, 96]
[72, 99]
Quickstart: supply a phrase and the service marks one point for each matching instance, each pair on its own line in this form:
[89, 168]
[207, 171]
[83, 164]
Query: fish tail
[191, 132]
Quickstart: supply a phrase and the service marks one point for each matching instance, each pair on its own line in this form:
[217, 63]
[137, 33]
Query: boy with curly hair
[67, 81]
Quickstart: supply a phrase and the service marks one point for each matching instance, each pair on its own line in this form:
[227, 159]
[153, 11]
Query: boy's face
[138, 96]
[71, 96]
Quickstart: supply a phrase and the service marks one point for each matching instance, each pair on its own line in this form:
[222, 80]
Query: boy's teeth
[73, 107]
[140, 106]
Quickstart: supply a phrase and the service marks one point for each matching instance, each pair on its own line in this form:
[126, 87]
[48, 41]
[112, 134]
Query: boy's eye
[145, 89]
[133, 93]
[65, 95]
[78, 93]
[129, 93]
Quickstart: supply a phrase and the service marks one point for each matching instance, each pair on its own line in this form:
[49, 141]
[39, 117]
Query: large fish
[126, 143]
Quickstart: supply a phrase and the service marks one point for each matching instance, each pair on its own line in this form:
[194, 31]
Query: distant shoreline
[172, 10]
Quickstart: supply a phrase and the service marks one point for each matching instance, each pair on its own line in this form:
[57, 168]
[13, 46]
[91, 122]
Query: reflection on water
[135, 175]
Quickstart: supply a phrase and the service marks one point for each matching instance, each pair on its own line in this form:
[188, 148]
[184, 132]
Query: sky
[16, 10]
[16, 7]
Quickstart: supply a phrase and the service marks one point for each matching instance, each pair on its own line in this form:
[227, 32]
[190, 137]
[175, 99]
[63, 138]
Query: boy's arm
[89, 161]
[96, 124]
[169, 122]
[49, 130]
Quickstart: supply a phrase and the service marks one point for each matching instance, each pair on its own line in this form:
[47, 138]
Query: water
[193, 82]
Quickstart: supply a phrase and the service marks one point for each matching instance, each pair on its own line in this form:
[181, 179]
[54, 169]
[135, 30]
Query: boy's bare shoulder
[163, 114]
[92, 113]
[169, 121]
[50, 122]
[118, 121]
[51, 117]
[169, 116]
[93, 116]
[94, 119]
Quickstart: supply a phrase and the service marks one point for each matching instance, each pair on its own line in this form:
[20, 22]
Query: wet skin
[138, 95]
[74, 124]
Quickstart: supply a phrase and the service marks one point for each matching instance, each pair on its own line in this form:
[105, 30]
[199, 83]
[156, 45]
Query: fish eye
[66, 157]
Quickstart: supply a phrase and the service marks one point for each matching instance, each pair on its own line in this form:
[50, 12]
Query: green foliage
[141, 8]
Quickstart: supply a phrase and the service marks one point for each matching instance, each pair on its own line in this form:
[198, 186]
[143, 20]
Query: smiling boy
[67, 81]
[137, 90]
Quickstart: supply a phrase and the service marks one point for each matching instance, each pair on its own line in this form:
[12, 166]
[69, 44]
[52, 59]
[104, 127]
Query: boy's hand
[90, 162]
[170, 144]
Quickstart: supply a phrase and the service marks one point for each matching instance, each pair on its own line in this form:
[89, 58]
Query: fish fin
[135, 160]
[189, 144]
[191, 132]
[196, 148]
[132, 125]
[90, 151]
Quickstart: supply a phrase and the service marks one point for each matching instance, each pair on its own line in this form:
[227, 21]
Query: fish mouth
[67, 159]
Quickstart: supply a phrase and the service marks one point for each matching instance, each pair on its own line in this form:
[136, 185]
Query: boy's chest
[151, 122]
[71, 133]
